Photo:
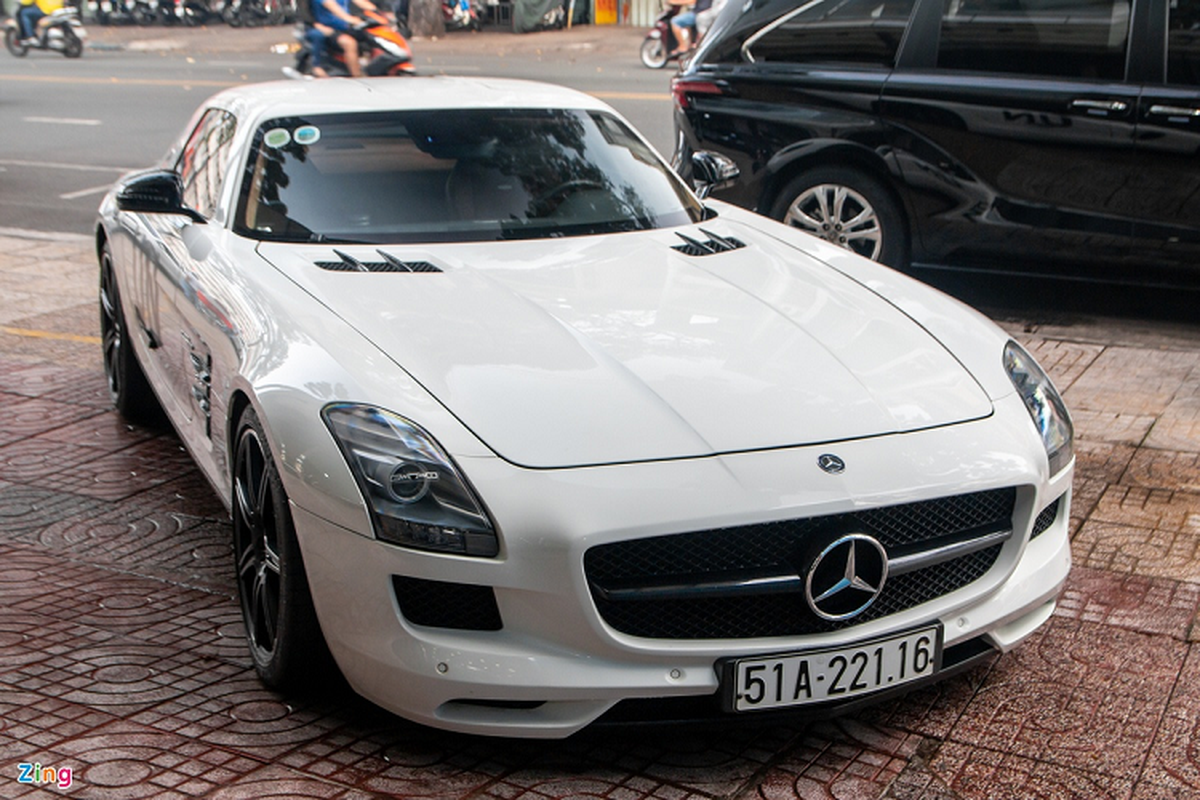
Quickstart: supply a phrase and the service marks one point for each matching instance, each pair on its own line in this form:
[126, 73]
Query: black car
[1044, 136]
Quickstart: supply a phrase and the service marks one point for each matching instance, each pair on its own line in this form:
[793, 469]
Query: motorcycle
[252, 13]
[382, 51]
[187, 12]
[660, 43]
[61, 31]
[461, 15]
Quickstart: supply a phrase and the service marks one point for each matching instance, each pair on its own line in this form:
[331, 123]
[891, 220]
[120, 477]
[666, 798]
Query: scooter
[61, 31]
[660, 43]
[382, 51]
[461, 15]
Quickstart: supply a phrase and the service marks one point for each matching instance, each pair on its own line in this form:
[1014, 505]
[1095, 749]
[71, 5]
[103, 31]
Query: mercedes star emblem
[846, 577]
[831, 463]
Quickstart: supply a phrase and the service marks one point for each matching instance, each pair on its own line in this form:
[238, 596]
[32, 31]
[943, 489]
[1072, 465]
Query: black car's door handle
[1107, 106]
[1175, 111]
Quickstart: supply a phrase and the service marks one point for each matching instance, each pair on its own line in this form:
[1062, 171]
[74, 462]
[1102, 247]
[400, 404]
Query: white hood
[611, 349]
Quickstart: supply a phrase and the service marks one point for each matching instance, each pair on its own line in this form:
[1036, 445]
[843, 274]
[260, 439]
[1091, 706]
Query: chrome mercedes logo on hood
[831, 463]
[846, 577]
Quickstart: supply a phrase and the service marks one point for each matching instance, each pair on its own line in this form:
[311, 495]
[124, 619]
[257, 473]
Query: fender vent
[715, 244]
[389, 264]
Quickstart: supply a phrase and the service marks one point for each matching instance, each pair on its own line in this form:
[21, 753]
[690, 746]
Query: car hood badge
[846, 577]
[831, 463]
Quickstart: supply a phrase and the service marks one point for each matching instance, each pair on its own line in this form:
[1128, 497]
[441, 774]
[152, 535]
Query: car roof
[407, 93]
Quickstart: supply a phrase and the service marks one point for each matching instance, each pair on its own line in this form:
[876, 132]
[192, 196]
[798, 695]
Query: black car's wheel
[128, 388]
[12, 40]
[281, 625]
[847, 207]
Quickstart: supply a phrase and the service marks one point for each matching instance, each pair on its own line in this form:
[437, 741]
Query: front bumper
[555, 666]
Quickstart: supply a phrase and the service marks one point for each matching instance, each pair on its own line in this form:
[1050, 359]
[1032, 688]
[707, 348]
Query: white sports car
[525, 433]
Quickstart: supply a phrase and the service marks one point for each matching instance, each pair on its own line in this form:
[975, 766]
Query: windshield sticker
[277, 137]
[308, 134]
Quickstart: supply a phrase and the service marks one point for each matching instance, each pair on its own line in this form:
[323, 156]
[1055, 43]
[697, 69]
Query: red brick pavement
[122, 659]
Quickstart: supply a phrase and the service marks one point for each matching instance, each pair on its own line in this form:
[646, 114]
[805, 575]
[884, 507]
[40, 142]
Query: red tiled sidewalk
[121, 653]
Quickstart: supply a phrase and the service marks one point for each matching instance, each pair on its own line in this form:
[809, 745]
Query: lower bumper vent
[437, 604]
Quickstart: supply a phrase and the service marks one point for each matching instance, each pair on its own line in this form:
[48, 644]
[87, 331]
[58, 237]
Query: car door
[185, 343]
[1016, 134]
[1167, 188]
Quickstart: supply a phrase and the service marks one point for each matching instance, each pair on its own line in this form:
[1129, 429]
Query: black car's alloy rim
[257, 534]
[840, 215]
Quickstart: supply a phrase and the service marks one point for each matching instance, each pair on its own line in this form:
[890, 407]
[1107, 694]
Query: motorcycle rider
[332, 19]
[30, 16]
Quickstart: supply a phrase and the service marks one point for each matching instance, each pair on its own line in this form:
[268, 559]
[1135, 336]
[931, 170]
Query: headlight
[1044, 404]
[416, 495]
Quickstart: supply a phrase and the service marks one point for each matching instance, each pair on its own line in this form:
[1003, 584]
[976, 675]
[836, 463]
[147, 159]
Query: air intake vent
[715, 244]
[389, 264]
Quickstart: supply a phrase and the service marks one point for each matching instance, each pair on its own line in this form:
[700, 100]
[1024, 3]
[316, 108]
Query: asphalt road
[71, 127]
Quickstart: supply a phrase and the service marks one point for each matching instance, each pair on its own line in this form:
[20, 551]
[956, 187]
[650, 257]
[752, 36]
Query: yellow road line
[61, 337]
[117, 81]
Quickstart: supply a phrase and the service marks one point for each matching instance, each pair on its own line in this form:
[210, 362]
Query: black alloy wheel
[128, 388]
[281, 624]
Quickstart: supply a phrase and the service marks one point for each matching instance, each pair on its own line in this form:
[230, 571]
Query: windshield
[455, 175]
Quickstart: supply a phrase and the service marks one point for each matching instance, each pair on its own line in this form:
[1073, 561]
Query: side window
[1183, 43]
[204, 160]
[1058, 38]
[865, 32]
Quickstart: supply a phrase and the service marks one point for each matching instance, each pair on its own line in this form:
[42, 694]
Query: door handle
[1107, 106]
[1175, 111]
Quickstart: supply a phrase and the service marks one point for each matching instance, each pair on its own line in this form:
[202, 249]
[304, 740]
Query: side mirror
[712, 171]
[157, 191]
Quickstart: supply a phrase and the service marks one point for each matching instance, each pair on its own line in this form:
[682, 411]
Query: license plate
[818, 676]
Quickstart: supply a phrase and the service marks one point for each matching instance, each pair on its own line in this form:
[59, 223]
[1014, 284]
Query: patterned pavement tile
[1111, 426]
[846, 759]
[127, 761]
[1174, 762]
[278, 783]
[976, 773]
[1102, 461]
[33, 722]
[120, 676]
[243, 716]
[30, 638]
[1148, 552]
[25, 509]
[27, 418]
[189, 495]
[1077, 695]
[214, 632]
[154, 543]
[1131, 380]
[1164, 468]
[121, 475]
[34, 459]
[931, 710]
[1133, 602]
[40, 380]
[47, 584]
[106, 431]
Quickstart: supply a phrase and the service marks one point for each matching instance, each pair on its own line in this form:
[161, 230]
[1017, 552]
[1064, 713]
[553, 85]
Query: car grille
[662, 587]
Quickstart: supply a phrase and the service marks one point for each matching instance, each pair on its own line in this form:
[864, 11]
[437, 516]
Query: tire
[12, 40]
[285, 639]
[848, 208]
[128, 388]
[72, 44]
[654, 53]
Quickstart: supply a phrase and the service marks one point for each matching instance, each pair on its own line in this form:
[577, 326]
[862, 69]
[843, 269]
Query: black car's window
[864, 32]
[1059, 38]
[455, 175]
[204, 159]
[1183, 43]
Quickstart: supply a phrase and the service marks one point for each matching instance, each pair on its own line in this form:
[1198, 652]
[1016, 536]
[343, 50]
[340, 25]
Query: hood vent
[715, 244]
[389, 264]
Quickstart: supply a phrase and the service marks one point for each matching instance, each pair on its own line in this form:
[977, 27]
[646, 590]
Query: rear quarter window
[862, 32]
